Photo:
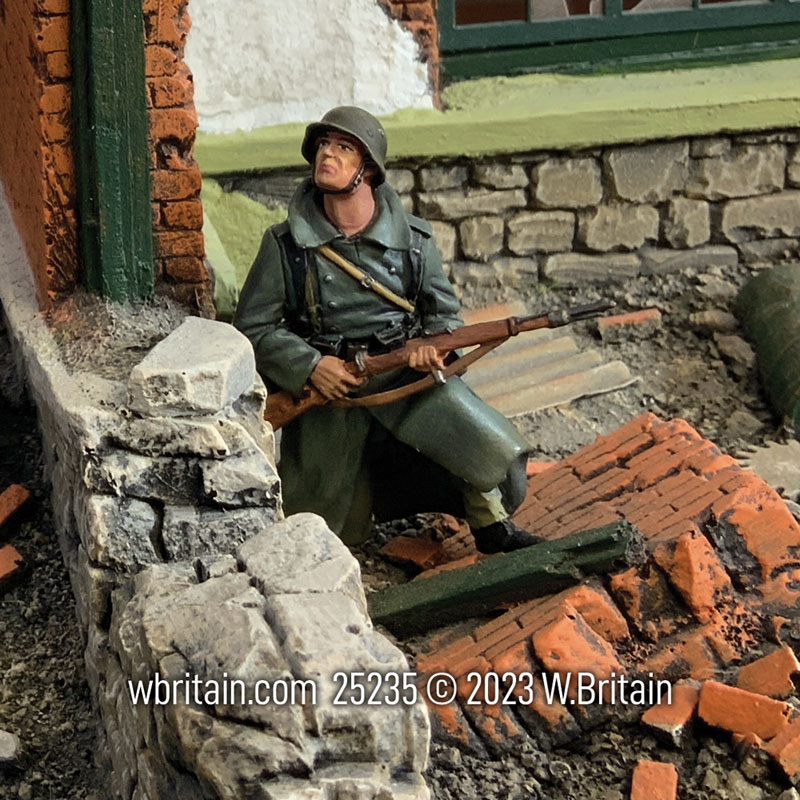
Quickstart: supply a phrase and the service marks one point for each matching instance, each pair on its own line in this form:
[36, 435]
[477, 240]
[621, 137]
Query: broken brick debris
[11, 500]
[739, 711]
[717, 585]
[535, 467]
[770, 675]
[670, 721]
[654, 780]
[640, 323]
[10, 563]
[421, 553]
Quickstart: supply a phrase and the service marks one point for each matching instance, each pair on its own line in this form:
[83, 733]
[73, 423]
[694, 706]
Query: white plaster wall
[263, 62]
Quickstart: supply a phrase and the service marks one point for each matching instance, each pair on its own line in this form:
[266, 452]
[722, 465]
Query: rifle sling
[367, 281]
[393, 395]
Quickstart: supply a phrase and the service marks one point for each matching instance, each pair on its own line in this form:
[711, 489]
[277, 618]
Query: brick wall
[175, 176]
[36, 159]
[36, 164]
[419, 17]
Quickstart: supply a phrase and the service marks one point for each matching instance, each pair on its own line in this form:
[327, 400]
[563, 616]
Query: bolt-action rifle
[283, 406]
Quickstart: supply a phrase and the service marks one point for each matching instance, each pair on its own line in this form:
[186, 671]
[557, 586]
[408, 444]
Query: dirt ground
[687, 368]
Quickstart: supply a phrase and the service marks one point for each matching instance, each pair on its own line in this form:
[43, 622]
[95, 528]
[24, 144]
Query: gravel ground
[44, 698]
[686, 370]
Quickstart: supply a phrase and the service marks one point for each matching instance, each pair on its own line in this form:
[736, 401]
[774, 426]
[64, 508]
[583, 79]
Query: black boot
[503, 537]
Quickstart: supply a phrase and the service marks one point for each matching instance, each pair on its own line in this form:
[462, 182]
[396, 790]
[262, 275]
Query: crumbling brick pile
[718, 591]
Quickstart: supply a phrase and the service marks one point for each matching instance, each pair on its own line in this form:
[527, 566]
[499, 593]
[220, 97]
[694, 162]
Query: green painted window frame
[702, 34]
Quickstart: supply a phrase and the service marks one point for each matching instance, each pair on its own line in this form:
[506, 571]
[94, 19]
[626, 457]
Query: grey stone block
[165, 436]
[688, 222]
[501, 176]
[624, 226]
[658, 261]
[746, 171]
[777, 215]
[200, 368]
[444, 236]
[577, 269]
[459, 203]
[401, 180]
[301, 554]
[541, 231]
[769, 251]
[117, 531]
[171, 480]
[245, 480]
[568, 183]
[648, 173]
[189, 532]
[435, 178]
[481, 237]
[710, 147]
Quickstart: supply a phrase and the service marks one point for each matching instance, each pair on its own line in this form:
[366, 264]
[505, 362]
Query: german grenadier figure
[438, 450]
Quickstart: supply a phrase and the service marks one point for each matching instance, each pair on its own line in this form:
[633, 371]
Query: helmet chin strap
[354, 183]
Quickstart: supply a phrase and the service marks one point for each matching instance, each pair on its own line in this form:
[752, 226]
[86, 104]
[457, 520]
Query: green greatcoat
[323, 466]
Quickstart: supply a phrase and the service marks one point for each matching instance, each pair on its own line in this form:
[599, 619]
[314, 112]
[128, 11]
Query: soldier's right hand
[332, 378]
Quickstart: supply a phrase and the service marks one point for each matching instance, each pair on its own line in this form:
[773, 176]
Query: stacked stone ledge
[167, 506]
[608, 215]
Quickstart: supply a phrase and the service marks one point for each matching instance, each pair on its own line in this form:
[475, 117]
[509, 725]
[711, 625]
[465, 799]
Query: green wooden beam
[111, 148]
[514, 577]
[632, 53]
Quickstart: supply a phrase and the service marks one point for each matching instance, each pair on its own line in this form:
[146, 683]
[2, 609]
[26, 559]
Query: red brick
[673, 529]
[52, 34]
[179, 243]
[785, 749]
[177, 90]
[537, 467]
[599, 612]
[173, 123]
[185, 268]
[184, 214]
[11, 500]
[55, 98]
[530, 513]
[738, 711]
[58, 65]
[672, 429]
[654, 780]
[159, 61]
[696, 572]
[571, 501]
[672, 719]
[587, 465]
[500, 648]
[54, 6]
[10, 562]
[611, 483]
[171, 185]
[554, 715]
[770, 675]
[446, 658]
[595, 516]
[546, 479]
[566, 485]
[657, 469]
[466, 561]
[422, 553]
[569, 645]
[769, 530]
[647, 317]
[781, 591]
[690, 655]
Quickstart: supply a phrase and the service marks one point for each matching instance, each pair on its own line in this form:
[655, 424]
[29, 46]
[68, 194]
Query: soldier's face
[338, 158]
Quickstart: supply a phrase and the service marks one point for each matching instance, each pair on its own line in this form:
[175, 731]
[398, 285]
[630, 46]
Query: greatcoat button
[332, 304]
[328, 278]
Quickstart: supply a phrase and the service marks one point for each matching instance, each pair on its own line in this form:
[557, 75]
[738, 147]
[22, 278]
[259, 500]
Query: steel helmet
[357, 123]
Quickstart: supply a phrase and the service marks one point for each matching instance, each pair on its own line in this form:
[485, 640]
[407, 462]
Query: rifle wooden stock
[283, 407]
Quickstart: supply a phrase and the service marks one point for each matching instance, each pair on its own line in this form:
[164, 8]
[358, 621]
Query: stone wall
[167, 507]
[607, 215]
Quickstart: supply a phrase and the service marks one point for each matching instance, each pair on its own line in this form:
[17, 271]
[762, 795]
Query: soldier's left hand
[426, 358]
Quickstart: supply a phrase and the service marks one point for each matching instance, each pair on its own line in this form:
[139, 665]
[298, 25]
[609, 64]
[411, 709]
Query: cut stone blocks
[199, 368]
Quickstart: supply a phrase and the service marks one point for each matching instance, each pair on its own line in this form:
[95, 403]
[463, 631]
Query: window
[506, 36]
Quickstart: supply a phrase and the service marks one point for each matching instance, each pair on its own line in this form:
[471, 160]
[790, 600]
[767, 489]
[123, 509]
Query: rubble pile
[719, 591]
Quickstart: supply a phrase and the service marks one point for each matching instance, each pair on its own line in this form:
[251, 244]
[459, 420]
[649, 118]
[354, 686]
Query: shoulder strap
[299, 279]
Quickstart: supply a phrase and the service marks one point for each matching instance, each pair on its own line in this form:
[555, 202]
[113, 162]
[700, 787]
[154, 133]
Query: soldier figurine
[438, 450]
